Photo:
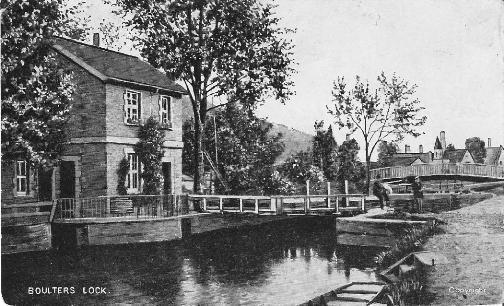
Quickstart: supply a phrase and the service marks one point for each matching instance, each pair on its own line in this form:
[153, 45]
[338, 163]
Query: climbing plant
[122, 171]
[150, 152]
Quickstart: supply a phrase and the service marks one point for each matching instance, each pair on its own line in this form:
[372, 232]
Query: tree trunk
[368, 170]
[198, 135]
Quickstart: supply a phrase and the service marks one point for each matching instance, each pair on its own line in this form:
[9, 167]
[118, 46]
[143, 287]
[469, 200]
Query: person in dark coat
[379, 191]
[417, 186]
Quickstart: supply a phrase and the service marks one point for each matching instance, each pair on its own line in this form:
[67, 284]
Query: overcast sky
[453, 50]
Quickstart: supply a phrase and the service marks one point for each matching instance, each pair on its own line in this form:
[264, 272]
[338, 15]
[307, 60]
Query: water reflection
[271, 265]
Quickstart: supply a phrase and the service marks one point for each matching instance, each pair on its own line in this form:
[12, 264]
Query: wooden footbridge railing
[277, 205]
[489, 171]
[159, 206]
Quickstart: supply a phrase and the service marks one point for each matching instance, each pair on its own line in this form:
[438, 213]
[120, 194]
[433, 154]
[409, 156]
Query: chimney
[489, 142]
[420, 149]
[442, 138]
[96, 39]
[406, 148]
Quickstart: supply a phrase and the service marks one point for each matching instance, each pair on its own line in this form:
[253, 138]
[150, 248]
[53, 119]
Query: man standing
[418, 193]
[378, 190]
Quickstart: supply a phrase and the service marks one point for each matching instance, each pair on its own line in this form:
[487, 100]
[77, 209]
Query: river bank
[473, 242]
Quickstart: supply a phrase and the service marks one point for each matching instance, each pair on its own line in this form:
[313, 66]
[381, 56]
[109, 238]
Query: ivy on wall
[150, 152]
[122, 171]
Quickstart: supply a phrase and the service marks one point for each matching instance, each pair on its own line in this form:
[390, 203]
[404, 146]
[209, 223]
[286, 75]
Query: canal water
[283, 264]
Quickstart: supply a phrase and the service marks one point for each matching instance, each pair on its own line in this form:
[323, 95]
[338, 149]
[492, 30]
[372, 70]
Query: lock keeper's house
[115, 92]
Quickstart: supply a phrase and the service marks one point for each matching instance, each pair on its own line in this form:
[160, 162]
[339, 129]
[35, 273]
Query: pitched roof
[115, 67]
[493, 155]
[403, 161]
[406, 159]
[455, 156]
[438, 145]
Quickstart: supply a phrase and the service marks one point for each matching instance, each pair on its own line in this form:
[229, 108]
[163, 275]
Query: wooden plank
[358, 291]
[20, 215]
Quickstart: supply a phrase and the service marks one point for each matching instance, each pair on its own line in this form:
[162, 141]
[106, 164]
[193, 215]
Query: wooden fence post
[256, 210]
[221, 205]
[241, 205]
[307, 206]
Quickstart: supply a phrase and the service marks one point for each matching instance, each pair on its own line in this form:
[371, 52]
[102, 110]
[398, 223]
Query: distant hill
[295, 141]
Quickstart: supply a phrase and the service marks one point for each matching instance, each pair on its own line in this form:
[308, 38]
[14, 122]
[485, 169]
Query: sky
[453, 50]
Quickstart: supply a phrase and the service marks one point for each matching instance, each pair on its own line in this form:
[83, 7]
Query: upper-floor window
[165, 110]
[21, 178]
[132, 107]
[133, 177]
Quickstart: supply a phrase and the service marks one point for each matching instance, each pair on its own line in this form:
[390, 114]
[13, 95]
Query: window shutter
[169, 109]
[28, 179]
[160, 103]
[139, 106]
[125, 107]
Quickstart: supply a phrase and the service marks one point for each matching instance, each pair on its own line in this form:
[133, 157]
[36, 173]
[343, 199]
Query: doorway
[167, 184]
[67, 179]
[45, 177]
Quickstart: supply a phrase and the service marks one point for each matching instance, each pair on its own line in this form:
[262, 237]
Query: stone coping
[123, 219]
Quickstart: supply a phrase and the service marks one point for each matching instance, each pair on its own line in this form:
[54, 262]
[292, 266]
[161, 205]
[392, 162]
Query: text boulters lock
[92, 290]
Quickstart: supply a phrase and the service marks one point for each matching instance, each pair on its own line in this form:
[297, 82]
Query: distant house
[494, 156]
[411, 158]
[114, 93]
[458, 156]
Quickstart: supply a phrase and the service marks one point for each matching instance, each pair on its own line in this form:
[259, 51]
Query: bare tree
[380, 114]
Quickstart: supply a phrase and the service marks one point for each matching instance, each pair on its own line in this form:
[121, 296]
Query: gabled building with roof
[458, 156]
[494, 156]
[114, 93]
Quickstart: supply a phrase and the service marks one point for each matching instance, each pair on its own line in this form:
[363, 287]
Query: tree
[150, 152]
[385, 152]
[450, 147]
[377, 115]
[476, 147]
[300, 168]
[245, 152]
[325, 150]
[224, 48]
[349, 166]
[36, 91]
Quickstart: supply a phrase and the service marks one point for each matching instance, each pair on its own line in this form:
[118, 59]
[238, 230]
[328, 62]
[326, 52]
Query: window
[21, 178]
[165, 110]
[132, 107]
[133, 177]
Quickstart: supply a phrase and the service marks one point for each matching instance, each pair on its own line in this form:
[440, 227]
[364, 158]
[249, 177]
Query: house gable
[117, 68]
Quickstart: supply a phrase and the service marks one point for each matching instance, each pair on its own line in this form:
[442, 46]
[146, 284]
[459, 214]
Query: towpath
[473, 242]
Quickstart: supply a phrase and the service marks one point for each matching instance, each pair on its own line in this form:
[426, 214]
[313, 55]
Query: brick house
[114, 93]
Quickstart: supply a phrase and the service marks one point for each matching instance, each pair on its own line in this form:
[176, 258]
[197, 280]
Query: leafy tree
[325, 150]
[385, 152]
[349, 166]
[111, 35]
[450, 147]
[150, 152]
[36, 92]
[224, 48]
[300, 168]
[378, 114]
[245, 152]
[476, 147]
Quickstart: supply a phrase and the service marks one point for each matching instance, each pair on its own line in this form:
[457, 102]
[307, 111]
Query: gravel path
[473, 242]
